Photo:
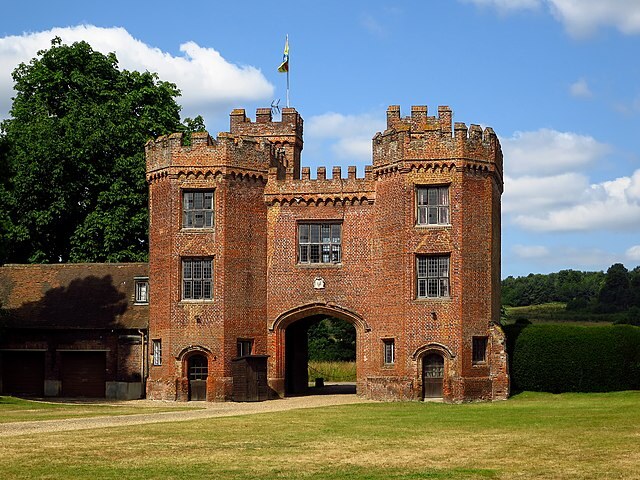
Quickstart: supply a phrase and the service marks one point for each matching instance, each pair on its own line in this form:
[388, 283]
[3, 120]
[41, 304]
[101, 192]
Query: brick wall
[262, 195]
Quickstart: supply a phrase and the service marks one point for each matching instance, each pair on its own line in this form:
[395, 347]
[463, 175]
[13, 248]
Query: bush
[632, 317]
[568, 358]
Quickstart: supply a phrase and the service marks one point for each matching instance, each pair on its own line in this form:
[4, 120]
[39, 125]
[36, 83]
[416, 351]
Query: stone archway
[288, 344]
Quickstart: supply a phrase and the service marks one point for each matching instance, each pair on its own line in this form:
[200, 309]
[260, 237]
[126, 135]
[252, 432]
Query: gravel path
[207, 410]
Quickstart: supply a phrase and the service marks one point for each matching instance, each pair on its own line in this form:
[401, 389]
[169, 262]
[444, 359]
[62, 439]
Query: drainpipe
[143, 363]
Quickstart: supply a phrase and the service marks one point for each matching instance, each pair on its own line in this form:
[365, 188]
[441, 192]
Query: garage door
[83, 374]
[23, 373]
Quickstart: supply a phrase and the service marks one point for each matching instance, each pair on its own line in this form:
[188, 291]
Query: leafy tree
[74, 186]
[615, 294]
[332, 340]
[634, 284]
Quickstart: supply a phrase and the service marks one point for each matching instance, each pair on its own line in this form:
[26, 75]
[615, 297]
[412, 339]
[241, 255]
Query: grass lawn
[533, 435]
[17, 410]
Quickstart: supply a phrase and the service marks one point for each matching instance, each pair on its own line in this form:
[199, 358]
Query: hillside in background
[571, 295]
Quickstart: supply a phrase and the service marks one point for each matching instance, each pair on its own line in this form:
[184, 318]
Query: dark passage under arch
[297, 358]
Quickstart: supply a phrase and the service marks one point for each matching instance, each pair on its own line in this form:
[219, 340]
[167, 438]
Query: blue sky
[558, 80]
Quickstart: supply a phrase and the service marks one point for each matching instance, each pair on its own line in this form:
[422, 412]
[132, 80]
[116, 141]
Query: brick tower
[247, 251]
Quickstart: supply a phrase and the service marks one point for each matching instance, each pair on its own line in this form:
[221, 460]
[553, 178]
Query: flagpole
[284, 66]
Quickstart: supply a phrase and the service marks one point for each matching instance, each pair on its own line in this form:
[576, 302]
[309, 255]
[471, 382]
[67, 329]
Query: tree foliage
[72, 153]
[332, 340]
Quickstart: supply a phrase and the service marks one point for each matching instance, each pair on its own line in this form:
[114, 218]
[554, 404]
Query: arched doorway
[198, 371]
[320, 347]
[432, 375]
[289, 361]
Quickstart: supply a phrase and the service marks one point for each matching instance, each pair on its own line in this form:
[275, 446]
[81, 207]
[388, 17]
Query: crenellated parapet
[429, 140]
[321, 190]
[285, 135]
[169, 155]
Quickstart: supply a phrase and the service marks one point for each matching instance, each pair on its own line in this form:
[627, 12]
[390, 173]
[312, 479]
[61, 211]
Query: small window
[479, 350]
[389, 351]
[197, 209]
[157, 352]
[245, 347]
[319, 243]
[142, 290]
[433, 276]
[433, 206]
[197, 278]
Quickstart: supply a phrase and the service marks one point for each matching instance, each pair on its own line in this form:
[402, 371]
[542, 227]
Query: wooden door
[432, 375]
[198, 373]
[83, 374]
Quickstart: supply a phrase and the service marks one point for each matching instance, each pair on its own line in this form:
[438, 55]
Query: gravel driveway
[207, 410]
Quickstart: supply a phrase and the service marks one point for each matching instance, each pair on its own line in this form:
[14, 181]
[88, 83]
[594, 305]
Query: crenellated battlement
[424, 137]
[285, 135]
[168, 152]
[321, 189]
[250, 145]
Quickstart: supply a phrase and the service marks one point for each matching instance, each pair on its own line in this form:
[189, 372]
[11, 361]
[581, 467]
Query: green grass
[18, 410]
[333, 371]
[556, 313]
[531, 436]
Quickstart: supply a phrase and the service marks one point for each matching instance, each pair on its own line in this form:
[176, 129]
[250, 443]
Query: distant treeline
[618, 290]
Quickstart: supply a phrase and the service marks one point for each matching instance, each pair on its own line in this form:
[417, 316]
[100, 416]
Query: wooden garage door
[23, 373]
[83, 374]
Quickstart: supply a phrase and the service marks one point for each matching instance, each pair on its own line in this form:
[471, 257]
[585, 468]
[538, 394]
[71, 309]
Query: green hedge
[568, 358]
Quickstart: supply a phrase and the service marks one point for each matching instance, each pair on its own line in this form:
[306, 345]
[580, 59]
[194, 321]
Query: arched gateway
[247, 249]
[290, 356]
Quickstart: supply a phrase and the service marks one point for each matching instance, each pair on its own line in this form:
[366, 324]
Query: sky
[558, 80]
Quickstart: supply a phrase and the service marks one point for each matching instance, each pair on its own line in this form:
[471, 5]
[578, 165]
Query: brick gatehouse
[247, 250]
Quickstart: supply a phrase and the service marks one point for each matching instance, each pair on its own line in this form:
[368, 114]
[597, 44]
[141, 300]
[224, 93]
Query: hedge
[569, 358]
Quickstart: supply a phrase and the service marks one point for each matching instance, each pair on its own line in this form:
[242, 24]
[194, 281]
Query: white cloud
[580, 89]
[580, 18]
[546, 191]
[633, 253]
[611, 205]
[348, 137]
[507, 6]
[530, 195]
[210, 84]
[546, 151]
[559, 257]
[530, 251]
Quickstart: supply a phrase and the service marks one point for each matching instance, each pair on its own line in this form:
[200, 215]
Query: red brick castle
[247, 251]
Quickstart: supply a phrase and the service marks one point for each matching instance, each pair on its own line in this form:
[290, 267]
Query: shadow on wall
[89, 302]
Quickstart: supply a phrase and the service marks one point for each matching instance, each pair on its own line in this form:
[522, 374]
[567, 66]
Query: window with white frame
[319, 243]
[197, 209]
[142, 290]
[197, 278]
[433, 206]
[156, 346]
[433, 276]
[389, 351]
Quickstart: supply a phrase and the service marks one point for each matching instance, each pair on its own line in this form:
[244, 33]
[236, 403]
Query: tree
[74, 186]
[615, 294]
[332, 340]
